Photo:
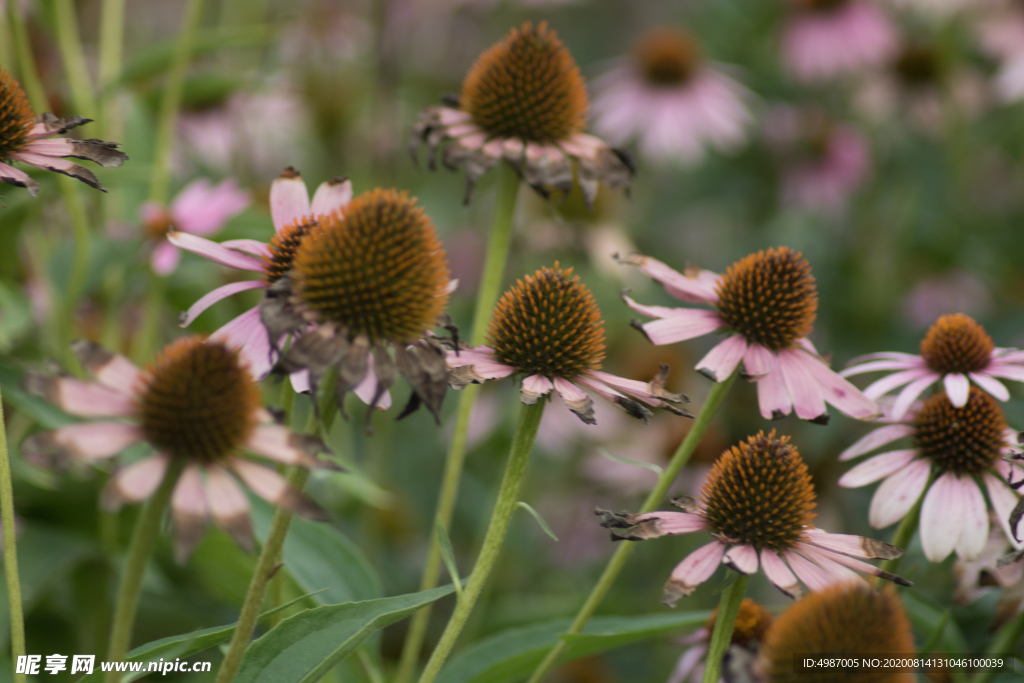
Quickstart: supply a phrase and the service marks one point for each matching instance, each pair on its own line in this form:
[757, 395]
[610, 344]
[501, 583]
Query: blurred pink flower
[673, 101]
[957, 290]
[986, 571]
[827, 39]
[824, 161]
[200, 209]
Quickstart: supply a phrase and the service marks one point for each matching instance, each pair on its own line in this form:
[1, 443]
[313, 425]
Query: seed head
[16, 116]
[918, 65]
[963, 440]
[955, 343]
[769, 297]
[198, 401]
[527, 86]
[668, 56]
[752, 622]
[377, 269]
[759, 493]
[548, 324]
[282, 248]
[845, 619]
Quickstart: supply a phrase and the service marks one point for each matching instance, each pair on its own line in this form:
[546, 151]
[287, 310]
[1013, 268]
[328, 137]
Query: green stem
[721, 636]
[654, 499]
[74, 59]
[111, 52]
[147, 528]
[268, 559]
[1004, 643]
[171, 102]
[905, 531]
[10, 550]
[508, 497]
[492, 277]
[145, 342]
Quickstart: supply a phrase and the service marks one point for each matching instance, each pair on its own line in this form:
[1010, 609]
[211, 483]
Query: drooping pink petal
[289, 200]
[815, 577]
[97, 440]
[110, 369]
[719, 364]
[254, 247]
[331, 196]
[911, 363]
[264, 482]
[278, 443]
[957, 388]
[801, 385]
[164, 259]
[779, 573]
[19, 178]
[1014, 372]
[229, 505]
[849, 544]
[688, 287]
[942, 517]
[877, 467]
[247, 332]
[686, 323]
[975, 533]
[897, 379]
[570, 394]
[217, 253]
[910, 394]
[1004, 499]
[876, 439]
[135, 482]
[991, 385]
[90, 399]
[828, 561]
[366, 390]
[653, 311]
[534, 387]
[223, 292]
[698, 566]
[898, 493]
[758, 361]
[676, 523]
[772, 396]
[189, 510]
[839, 392]
[742, 558]
[631, 387]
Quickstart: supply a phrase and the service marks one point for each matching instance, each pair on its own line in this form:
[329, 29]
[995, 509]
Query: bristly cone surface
[527, 86]
[668, 56]
[377, 270]
[760, 493]
[752, 622]
[964, 440]
[282, 248]
[548, 324]
[198, 401]
[769, 298]
[956, 343]
[16, 116]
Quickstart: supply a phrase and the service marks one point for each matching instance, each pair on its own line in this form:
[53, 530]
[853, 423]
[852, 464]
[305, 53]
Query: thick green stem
[147, 528]
[508, 499]
[145, 343]
[111, 52]
[721, 636]
[492, 277]
[654, 499]
[74, 59]
[10, 550]
[261, 575]
[905, 531]
[1003, 644]
[171, 102]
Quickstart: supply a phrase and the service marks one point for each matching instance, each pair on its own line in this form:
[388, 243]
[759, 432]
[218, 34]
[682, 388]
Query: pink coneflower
[824, 161]
[672, 100]
[993, 567]
[24, 137]
[752, 624]
[293, 216]
[768, 302]
[548, 328]
[956, 350]
[827, 39]
[757, 504]
[197, 406]
[960, 445]
[199, 209]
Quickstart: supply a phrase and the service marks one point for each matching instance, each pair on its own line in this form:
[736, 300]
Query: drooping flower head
[198, 407]
[849, 618]
[671, 99]
[368, 279]
[523, 101]
[956, 350]
[767, 303]
[548, 327]
[23, 137]
[828, 39]
[752, 623]
[963, 447]
[757, 503]
[200, 209]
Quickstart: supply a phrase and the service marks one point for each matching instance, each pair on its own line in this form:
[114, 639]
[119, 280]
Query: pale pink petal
[909, 395]
[801, 385]
[991, 385]
[684, 324]
[300, 381]
[367, 389]
[202, 209]
[254, 247]
[18, 177]
[331, 196]
[97, 440]
[687, 287]
[570, 394]
[1014, 372]
[779, 573]
[829, 562]
[89, 399]
[839, 392]
[699, 565]
[975, 521]
[897, 379]
[223, 292]
[289, 200]
[876, 439]
[676, 523]
[847, 544]
[635, 388]
[957, 388]
[719, 364]
[264, 482]
[772, 396]
[117, 372]
[654, 311]
[247, 332]
[913, 363]
[742, 558]
[534, 387]
[877, 467]
[229, 505]
[815, 577]
[942, 517]
[686, 668]
[278, 443]
[164, 259]
[136, 482]
[758, 361]
[190, 511]
[1004, 499]
[898, 493]
[213, 251]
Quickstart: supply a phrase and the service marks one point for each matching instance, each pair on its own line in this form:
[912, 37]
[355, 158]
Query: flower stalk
[17, 617]
[623, 551]
[490, 287]
[504, 507]
[728, 608]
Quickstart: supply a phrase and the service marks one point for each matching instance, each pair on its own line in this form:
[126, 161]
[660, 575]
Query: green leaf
[183, 645]
[927, 617]
[540, 520]
[513, 654]
[629, 461]
[302, 648]
[448, 555]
